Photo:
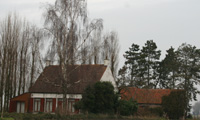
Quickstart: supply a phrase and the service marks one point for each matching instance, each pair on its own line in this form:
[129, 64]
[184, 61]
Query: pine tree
[132, 63]
[189, 72]
[168, 72]
[150, 59]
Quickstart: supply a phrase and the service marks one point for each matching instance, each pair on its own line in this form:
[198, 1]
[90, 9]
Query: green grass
[6, 119]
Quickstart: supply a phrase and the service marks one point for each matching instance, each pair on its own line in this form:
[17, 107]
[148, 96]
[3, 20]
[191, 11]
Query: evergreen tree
[189, 72]
[150, 59]
[168, 70]
[132, 57]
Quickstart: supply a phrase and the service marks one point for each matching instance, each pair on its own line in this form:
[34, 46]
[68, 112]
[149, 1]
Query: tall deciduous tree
[111, 50]
[69, 28]
[15, 37]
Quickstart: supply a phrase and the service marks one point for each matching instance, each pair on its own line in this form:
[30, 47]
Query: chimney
[106, 62]
[48, 62]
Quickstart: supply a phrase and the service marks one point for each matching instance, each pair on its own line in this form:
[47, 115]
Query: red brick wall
[54, 105]
[42, 105]
[30, 105]
[13, 106]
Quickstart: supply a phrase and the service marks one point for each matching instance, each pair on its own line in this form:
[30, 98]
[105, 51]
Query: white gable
[108, 77]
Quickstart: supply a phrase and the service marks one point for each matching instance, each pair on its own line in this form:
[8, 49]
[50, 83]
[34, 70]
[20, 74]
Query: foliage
[174, 105]
[127, 108]
[98, 98]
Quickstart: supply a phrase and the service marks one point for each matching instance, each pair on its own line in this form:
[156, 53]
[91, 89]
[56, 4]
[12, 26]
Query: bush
[99, 98]
[175, 104]
[127, 108]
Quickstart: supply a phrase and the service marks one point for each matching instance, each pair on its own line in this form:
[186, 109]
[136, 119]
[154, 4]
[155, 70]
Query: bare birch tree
[67, 23]
[36, 43]
[111, 50]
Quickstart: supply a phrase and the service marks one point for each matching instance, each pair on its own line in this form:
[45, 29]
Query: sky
[166, 22]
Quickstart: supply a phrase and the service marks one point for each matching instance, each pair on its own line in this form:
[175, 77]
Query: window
[20, 107]
[71, 105]
[49, 105]
[60, 102]
[37, 103]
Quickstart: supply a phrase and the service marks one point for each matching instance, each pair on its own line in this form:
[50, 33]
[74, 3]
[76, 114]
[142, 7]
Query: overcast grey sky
[167, 22]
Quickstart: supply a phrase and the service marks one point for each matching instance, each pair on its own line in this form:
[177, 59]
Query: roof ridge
[81, 65]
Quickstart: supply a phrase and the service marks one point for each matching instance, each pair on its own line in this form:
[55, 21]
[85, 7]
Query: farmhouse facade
[46, 95]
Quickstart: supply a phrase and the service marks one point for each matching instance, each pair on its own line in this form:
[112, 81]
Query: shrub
[175, 104]
[99, 98]
[127, 108]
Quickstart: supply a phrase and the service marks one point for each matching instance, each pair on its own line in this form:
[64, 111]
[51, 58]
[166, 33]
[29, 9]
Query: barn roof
[80, 76]
[145, 96]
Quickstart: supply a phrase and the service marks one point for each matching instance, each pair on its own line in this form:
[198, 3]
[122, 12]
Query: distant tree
[174, 105]
[98, 98]
[150, 59]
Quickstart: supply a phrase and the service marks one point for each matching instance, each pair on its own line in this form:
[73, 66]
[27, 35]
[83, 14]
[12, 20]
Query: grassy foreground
[6, 118]
[42, 116]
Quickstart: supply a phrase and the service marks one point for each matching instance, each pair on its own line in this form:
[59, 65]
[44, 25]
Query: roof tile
[145, 96]
[80, 76]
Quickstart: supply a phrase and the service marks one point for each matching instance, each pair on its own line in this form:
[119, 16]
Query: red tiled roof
[80, 76]
[145, 96]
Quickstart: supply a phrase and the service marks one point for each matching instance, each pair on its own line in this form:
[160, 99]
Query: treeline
[19, 52]
[67, 37]
[180, 69]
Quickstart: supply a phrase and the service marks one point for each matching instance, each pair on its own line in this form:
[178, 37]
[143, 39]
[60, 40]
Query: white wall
[47, 95]
[108, 77]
